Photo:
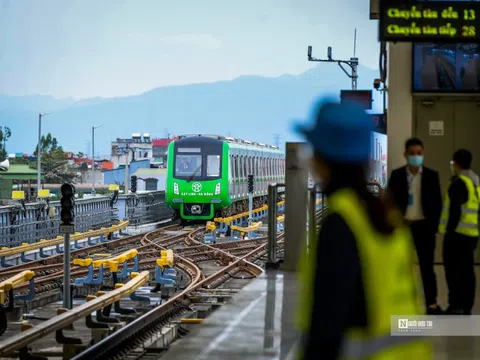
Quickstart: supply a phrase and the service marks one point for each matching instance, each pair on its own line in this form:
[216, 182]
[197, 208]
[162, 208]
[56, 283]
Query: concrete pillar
[296, 187]
[400, 102]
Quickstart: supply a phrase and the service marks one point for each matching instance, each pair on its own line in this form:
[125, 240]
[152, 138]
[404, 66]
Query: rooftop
[18, 172]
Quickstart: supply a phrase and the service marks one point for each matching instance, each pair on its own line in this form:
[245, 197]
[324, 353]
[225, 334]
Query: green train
[207, 175]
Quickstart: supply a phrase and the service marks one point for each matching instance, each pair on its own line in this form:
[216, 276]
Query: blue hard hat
[341, 132]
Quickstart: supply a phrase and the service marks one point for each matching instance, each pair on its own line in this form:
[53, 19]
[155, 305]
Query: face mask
[415, 161]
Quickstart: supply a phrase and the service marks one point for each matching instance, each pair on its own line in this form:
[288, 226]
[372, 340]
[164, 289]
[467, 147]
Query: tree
[5, 134]
[55, 167]
[80, 155]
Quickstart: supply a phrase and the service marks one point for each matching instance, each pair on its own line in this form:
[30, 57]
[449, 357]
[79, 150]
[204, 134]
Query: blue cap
[342, 132]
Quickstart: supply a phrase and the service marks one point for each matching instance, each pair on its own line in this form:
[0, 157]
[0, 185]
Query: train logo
[197, 187]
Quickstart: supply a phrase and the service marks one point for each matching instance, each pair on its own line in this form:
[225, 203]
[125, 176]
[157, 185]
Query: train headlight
[175, 188]
[217, 189]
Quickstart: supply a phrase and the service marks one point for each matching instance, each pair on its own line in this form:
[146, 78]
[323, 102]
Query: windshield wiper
[194, 173]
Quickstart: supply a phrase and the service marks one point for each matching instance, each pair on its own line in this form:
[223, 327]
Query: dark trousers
[424, 238]
[458, 259]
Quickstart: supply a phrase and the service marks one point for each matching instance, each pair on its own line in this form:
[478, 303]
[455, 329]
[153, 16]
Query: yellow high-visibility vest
[390, 285]
[468, 224]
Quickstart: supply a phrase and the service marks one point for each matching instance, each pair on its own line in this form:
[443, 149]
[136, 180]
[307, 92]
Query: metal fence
[146, 208]
[28, 223]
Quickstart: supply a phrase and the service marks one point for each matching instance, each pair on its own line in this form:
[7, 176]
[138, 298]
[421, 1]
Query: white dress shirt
[414, 208]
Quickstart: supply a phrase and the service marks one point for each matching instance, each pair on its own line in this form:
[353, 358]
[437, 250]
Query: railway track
[208, 269]
[49, 271]
[226, 270]
[132, 340]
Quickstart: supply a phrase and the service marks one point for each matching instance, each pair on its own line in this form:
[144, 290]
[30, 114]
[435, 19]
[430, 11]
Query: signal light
[133, 181]
[67, 204]
[250, 183]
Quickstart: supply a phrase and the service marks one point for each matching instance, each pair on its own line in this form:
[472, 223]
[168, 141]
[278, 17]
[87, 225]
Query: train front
[195, 182]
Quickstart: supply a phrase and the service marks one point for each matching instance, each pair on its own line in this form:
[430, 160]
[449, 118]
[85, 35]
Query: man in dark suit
[416, 191]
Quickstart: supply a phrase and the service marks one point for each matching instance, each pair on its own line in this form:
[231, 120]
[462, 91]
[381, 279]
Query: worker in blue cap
[360, 272]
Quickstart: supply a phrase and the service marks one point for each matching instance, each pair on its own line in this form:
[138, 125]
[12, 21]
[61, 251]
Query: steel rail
[59, 322]
[149, 320]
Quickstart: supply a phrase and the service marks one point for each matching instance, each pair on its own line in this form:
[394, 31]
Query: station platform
[255, 324]
[258, 324]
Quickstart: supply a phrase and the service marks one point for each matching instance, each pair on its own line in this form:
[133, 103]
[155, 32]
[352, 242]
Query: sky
[109, 48]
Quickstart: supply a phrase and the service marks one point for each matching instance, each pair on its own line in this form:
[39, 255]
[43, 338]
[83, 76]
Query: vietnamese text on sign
[429, 21]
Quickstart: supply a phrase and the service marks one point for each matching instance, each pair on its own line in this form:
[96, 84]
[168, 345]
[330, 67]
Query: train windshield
[198, 162]
[188, 165]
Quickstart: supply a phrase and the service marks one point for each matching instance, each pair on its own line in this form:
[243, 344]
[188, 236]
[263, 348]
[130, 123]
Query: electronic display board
[360, 97]
[446, 68]
[432, 21]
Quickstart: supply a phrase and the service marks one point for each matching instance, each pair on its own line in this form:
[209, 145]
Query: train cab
[196, 172]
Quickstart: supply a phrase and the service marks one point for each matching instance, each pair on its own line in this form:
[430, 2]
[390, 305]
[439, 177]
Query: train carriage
[207, 175]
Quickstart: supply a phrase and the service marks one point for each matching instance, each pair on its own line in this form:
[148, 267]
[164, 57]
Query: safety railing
[145, 208]
[92, 236]
[101, 327]
[7, 299]
[28, 223]
[272, 261]
[314, 216]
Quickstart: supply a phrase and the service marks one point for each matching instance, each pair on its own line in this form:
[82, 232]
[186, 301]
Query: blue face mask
[415, 161]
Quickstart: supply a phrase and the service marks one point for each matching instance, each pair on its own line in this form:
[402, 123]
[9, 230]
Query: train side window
[240, 165]
[213, 165]
[245, 166]
[235, 167]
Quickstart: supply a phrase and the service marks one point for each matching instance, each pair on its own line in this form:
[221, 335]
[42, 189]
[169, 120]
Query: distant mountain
[250, 107]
